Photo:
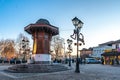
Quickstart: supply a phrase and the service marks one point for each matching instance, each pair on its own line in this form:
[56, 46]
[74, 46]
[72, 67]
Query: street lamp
[25, 43]
[64, 53]
[70, 49]
[78, 25]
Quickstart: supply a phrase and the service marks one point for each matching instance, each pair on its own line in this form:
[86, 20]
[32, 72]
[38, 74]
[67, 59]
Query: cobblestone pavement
[88, 72]
[102, 72]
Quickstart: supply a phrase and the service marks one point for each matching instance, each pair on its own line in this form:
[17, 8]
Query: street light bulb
[80, 24]
[68, 41]
[75, 21]
[71, 41]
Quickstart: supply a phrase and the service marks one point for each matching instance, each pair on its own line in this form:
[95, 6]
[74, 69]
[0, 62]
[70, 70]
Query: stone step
[36, 68]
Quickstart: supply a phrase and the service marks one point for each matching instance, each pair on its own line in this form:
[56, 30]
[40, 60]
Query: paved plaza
[87, 72]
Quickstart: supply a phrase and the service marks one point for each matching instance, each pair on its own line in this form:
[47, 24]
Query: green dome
[42, 21]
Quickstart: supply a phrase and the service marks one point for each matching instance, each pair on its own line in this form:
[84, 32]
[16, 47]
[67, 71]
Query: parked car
[92, 61]
[18, 61]
[5, 60]
[15, 61]
[12, 61]
[1, 60]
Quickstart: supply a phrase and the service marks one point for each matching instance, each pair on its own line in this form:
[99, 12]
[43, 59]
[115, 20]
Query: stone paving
[67, 75]
[88, 72]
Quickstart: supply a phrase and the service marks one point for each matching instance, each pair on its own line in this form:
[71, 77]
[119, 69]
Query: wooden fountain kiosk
[42, 32]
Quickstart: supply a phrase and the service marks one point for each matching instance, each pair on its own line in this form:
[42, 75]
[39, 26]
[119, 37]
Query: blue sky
[101, 18]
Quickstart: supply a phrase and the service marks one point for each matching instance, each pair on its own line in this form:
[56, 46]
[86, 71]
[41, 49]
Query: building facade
[112, 56]
[86, 52]
[97, 51]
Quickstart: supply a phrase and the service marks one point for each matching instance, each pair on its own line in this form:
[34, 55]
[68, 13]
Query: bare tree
[7, 48]
[19, 42]
[22, 46]
[57, 44]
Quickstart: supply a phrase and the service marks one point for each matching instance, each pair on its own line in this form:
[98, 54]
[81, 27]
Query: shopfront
[111, 57]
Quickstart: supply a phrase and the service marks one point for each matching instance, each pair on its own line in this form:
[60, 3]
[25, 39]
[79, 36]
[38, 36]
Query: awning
[113, 53]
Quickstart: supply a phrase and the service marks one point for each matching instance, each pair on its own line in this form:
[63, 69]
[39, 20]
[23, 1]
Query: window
[117, 46]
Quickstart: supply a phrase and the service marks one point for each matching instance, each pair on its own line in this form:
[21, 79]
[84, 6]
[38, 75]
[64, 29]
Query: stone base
[42, 62]
[36, 68]
[42, 58]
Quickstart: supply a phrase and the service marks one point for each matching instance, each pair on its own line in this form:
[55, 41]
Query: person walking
[102, 60]
[117, 61]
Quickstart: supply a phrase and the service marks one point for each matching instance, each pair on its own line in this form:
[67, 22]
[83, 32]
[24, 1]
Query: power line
[67, 30]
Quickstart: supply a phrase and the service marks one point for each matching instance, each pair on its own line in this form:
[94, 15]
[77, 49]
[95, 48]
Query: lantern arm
[81, 39]
[74, 35]
[69, 45]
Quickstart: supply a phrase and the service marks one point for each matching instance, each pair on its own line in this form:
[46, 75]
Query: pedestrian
[84, 61]
[102, 60]
[117, 61]
[112, 62]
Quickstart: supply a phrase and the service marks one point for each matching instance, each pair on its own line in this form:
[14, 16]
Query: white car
[91, 60]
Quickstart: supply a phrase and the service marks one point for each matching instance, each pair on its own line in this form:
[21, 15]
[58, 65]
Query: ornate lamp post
[70, 49]
[25, 43]
[76, 36]
[64, 53]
